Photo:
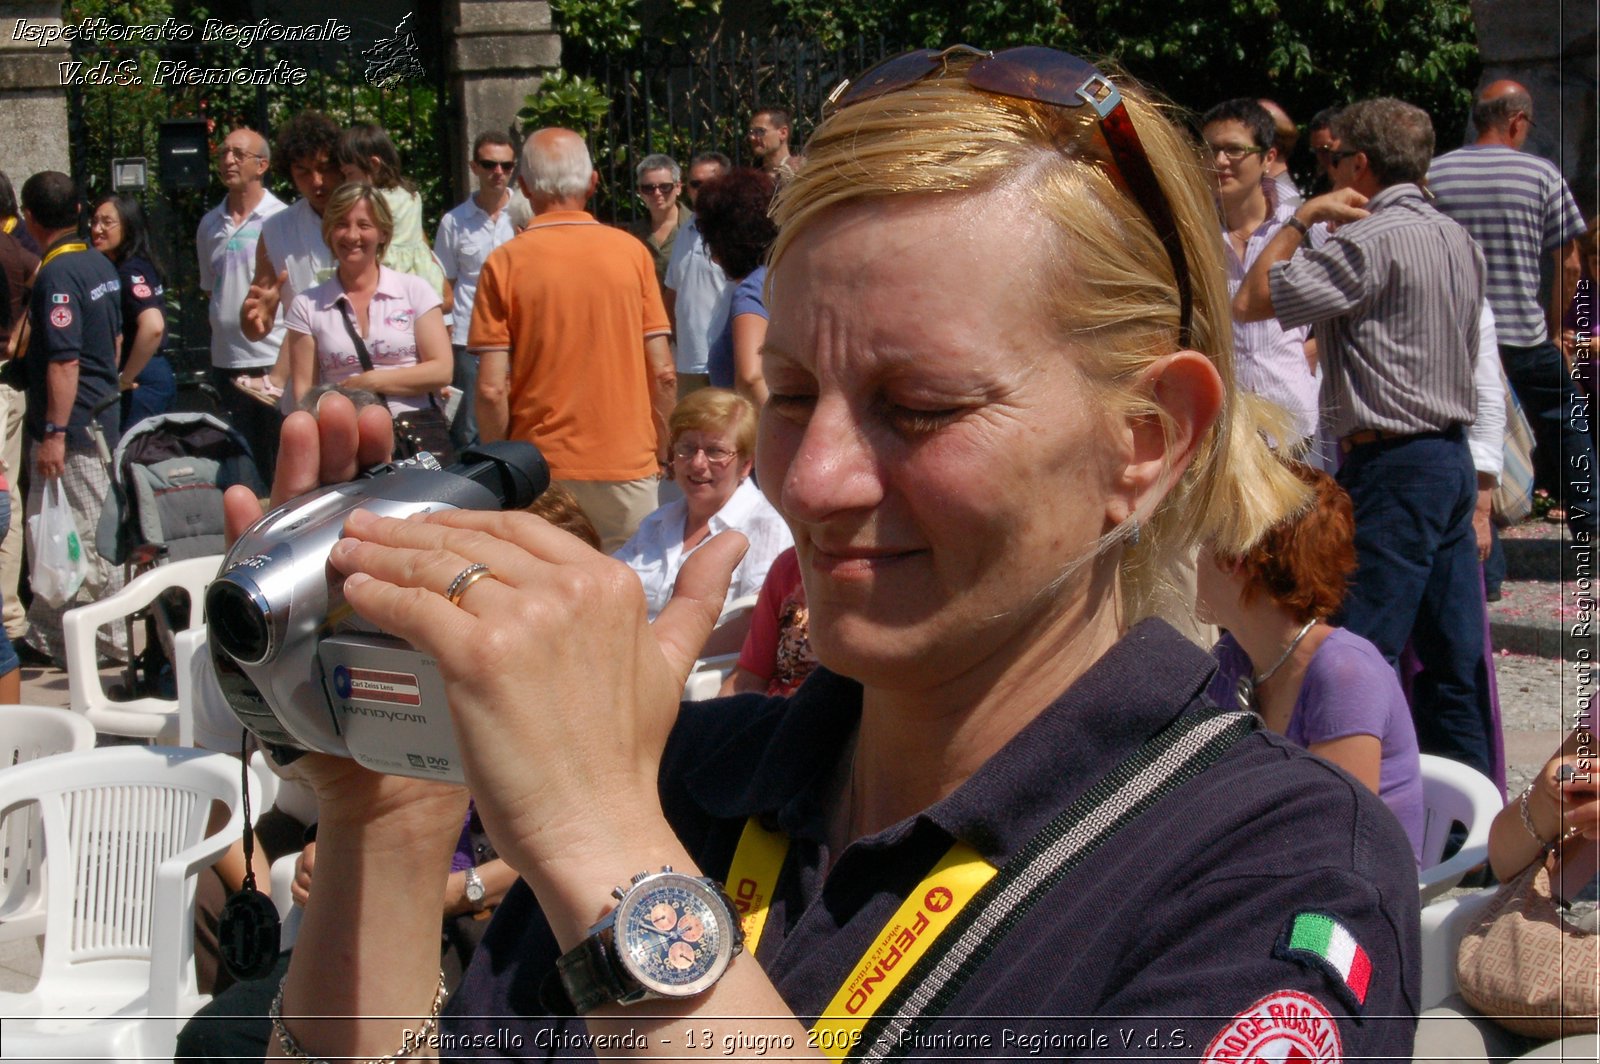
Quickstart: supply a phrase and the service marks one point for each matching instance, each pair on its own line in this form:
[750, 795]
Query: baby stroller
[167, 477]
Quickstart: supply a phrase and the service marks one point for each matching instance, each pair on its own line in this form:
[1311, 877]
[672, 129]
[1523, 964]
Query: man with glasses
[1519, 209]
[466, 236]
[1269, 360]
[696, 289]
[225, 244]
[1394, 297]
[769, 142]
[1320, 136]
[659, 183]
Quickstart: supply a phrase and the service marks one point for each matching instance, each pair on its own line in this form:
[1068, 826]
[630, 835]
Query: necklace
[1246, 691]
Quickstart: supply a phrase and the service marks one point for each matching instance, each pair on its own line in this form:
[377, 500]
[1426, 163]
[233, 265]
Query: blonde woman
[1000, 405]
[368, 314]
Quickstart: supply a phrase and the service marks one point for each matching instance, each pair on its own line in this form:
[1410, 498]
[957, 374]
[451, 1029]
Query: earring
[1133, 533]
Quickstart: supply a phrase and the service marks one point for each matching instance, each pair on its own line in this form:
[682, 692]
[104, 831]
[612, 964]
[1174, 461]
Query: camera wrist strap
[951, 921]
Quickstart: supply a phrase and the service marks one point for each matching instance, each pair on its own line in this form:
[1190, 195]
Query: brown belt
[1366, 437]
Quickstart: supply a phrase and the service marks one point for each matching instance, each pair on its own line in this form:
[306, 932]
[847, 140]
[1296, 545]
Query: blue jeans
[1544, 388]
[1417, 577]
[464, 429]
[158, 388]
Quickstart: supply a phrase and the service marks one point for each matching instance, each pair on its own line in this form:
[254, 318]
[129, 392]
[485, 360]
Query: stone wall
[32, 99]
[500, 52]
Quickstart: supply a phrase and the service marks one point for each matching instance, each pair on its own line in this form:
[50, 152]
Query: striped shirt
[1394, 299]
[1269, 360]
[1517, 207]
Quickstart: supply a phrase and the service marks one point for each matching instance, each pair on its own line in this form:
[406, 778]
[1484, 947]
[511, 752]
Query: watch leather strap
[584, 978]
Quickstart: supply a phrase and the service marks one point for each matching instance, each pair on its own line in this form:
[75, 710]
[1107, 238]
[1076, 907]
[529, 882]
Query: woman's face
[931, 441]
[711, 473]
[355, 237]
[105, 229]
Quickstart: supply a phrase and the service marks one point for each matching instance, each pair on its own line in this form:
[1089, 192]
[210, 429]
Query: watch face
[672, 935]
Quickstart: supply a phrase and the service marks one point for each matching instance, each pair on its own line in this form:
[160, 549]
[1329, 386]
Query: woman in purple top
[1327, 689]
[396, 315]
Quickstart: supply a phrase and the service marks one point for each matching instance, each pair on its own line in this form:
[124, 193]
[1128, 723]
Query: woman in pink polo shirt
[395, 317]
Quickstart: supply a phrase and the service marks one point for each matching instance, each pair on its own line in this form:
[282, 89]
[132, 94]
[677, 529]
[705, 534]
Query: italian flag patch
[1323, 942]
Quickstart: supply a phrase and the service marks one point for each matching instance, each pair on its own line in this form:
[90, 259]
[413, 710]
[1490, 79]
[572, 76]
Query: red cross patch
[142, 291]
[1285, 1027]
[61, 317]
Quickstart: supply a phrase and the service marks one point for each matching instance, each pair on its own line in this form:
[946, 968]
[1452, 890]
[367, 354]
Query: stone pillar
[499, 52]
[1548, 46]
[32, 97]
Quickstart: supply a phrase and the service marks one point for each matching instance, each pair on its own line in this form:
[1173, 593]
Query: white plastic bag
[59, 564]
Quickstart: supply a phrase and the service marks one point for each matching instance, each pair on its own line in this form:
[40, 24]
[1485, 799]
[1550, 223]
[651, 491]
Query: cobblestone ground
[1537, 697]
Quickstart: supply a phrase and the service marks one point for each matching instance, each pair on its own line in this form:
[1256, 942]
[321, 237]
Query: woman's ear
[1186, 388]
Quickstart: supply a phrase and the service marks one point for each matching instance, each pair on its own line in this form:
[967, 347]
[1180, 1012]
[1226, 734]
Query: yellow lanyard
[62, 250]
[920, 919]
[11, 223]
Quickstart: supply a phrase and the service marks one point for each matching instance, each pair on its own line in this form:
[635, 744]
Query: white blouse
[656, 551]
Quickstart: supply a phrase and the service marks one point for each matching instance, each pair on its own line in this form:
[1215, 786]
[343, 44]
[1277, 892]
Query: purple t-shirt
[1349, 689]
[747, 299]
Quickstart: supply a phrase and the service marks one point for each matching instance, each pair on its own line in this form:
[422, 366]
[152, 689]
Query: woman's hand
[550, 654]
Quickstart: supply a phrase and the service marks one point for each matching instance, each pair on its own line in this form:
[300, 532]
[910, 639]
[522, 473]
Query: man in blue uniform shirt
[70, 368]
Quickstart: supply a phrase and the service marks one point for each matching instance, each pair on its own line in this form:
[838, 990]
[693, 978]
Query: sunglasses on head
[1046, 76]
[495, 164]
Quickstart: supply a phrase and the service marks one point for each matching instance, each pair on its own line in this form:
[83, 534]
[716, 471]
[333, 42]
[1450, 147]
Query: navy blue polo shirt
[1177, 940]
[76, 315]
[141, 291]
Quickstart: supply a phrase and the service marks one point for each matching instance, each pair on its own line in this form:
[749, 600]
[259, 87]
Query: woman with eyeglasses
[117, 229]
[1000, 819]
[659, 183]
[713, 452]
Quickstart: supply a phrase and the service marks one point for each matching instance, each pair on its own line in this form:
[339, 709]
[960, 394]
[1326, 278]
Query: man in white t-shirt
[291, 255]
[225, 244]
[697, 290]
[466, 236]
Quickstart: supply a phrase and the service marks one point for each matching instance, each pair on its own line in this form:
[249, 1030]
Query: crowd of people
[981, 488]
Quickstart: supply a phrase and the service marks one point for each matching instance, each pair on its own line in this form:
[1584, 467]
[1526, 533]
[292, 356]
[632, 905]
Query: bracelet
[1527, 818]
[293, 1050]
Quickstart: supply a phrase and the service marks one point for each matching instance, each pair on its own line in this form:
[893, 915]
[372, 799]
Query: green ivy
[564, 99]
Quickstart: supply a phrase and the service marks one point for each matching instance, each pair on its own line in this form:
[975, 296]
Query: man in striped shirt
[1518, 208]
[1393, 298]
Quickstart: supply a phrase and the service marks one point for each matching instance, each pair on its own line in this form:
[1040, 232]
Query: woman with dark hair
[731, 213]
[11, 217]
[118, 231]
[1325, 688]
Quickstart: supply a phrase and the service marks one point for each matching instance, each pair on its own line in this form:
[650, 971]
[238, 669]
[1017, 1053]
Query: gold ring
[465, 579]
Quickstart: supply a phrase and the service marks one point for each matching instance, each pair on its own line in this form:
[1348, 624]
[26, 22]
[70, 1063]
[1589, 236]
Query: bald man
[1285, 135]
[1519, 209]
[225, 243]
[571, 339]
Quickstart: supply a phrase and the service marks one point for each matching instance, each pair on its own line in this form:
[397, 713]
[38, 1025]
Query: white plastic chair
[288, 912]
[28, 733]
[1453, 792]
[124, 835]
[1443, 923]
[705, 680]
[140, 718]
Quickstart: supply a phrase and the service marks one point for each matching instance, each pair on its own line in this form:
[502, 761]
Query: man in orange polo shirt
[571, 339]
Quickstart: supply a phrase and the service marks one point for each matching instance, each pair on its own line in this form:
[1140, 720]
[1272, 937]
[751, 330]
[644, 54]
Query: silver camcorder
[298, 667]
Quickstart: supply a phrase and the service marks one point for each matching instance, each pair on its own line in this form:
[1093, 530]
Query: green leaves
[564, 99]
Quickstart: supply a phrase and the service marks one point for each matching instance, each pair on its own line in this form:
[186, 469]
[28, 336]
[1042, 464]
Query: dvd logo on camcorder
[298, 667]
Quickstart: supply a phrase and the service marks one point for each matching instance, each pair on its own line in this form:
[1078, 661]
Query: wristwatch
[475, 889]
[671, 935]
[52, 429]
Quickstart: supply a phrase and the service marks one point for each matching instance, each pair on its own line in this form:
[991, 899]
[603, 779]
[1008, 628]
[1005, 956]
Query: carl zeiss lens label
[377, 685]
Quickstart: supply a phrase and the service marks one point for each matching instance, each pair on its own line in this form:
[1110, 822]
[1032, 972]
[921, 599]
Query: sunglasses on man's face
[1058, 79]
[495, 164]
